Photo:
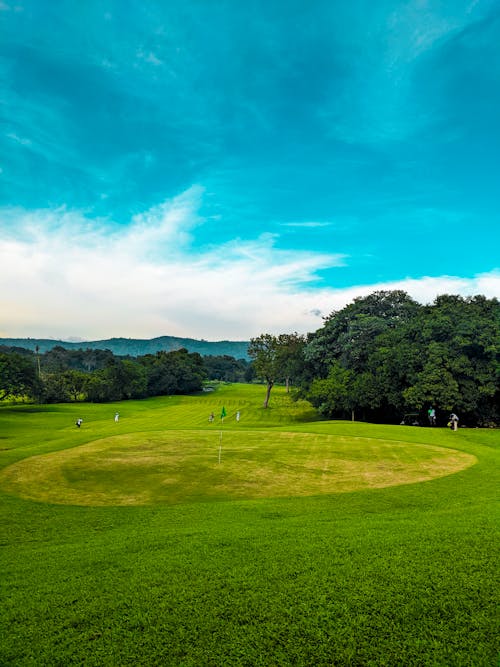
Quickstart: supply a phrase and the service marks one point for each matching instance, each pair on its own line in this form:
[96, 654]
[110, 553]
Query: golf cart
[410, 419]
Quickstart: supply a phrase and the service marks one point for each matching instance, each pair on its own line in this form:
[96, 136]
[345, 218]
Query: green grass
[281, 573]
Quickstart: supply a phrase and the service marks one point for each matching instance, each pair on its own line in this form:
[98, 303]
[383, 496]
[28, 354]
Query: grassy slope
[397, 576]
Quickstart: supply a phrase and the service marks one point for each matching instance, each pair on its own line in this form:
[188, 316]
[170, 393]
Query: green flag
[223, 412]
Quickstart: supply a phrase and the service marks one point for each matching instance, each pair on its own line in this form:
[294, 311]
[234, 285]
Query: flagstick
[222, 415]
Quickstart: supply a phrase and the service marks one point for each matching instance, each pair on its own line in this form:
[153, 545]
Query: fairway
[289, 541]
[190, 466]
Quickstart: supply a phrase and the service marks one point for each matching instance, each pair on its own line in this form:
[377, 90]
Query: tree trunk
[268, 393]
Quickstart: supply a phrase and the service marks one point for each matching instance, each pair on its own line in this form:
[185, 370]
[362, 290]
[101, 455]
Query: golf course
[271, 539]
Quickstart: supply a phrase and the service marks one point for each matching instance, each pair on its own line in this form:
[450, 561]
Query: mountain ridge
[136, 347]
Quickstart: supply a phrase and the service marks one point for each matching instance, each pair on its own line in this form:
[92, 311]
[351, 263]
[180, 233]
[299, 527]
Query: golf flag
[223, 412]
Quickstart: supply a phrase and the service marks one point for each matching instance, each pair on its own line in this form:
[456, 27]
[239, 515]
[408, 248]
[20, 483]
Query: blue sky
[218, 169]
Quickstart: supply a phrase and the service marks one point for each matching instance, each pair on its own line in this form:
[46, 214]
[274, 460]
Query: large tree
[399, 356]
[290, 357]
[349, 335]
[18, 375]
[176, 372]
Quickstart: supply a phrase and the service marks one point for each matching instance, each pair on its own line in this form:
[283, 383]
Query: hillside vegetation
[136, 347]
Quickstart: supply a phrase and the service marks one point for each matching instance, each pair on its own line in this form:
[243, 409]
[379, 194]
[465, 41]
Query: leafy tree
[75, 382]
[225, 368]
[189, 371]
[161, 380]
[125, 379]
[405, 356]
[18, 376]
[344, 392]
[290, 356]
[349, 335]
[264, 351]
[250, 373]
[98, 387]
[59, 359]
[177, 372]
[459, 355]
[54, 389]
[332, 395]
[56, 360]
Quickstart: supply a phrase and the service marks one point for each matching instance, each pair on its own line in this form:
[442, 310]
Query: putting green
[167, 467]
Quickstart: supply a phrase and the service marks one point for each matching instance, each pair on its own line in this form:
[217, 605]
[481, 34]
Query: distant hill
[136, 347]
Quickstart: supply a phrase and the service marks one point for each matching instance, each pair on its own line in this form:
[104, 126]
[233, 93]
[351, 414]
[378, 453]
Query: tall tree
[349, 335]
[264, 351]
[290, 356]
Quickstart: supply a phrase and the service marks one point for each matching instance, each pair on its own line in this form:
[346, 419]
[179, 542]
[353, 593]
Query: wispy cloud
[149, 57]
[385, 96]
[83, 277]
[306, 225]
[72, 276]
[165, 228]
[19, 140]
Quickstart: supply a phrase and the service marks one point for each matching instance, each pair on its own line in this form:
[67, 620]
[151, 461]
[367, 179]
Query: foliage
[18, 375]
[277, 358]
[133, 347]
[396, 355]
[105, 378]
[178, 372]
[264, 351]
[226, 368]
[59, 359]
[290, 356]
[349, 335]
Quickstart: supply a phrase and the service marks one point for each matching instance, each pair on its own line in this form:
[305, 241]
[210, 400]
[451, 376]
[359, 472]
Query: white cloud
[71, 276]
[19, 140]
[149, 57]
[166, 226]
[311, 224]
[424, 289]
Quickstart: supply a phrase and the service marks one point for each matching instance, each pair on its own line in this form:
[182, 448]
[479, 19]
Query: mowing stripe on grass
[167, 467]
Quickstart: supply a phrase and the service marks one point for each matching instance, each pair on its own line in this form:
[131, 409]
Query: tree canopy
[385, 354]
[62, 375]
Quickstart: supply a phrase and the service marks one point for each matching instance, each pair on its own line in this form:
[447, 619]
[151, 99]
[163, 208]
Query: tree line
[61, 375]
[385, 354]
[376, 359]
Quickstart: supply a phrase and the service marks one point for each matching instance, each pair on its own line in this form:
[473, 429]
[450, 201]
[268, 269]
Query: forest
[377, 359]
[385, 355]
[61, 375]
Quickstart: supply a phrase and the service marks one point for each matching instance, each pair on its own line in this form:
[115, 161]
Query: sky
[219, 169]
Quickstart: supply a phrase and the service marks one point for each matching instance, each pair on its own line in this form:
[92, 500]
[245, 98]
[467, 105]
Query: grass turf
[403, 575]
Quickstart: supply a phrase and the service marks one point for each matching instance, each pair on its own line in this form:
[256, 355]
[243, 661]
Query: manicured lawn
[310, 543]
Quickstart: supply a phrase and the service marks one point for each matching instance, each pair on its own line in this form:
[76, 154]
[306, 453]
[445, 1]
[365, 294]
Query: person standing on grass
[453, 421]
[79, 422]
[211, 417]
[431, 413]
[238, 416]
[117, 416]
